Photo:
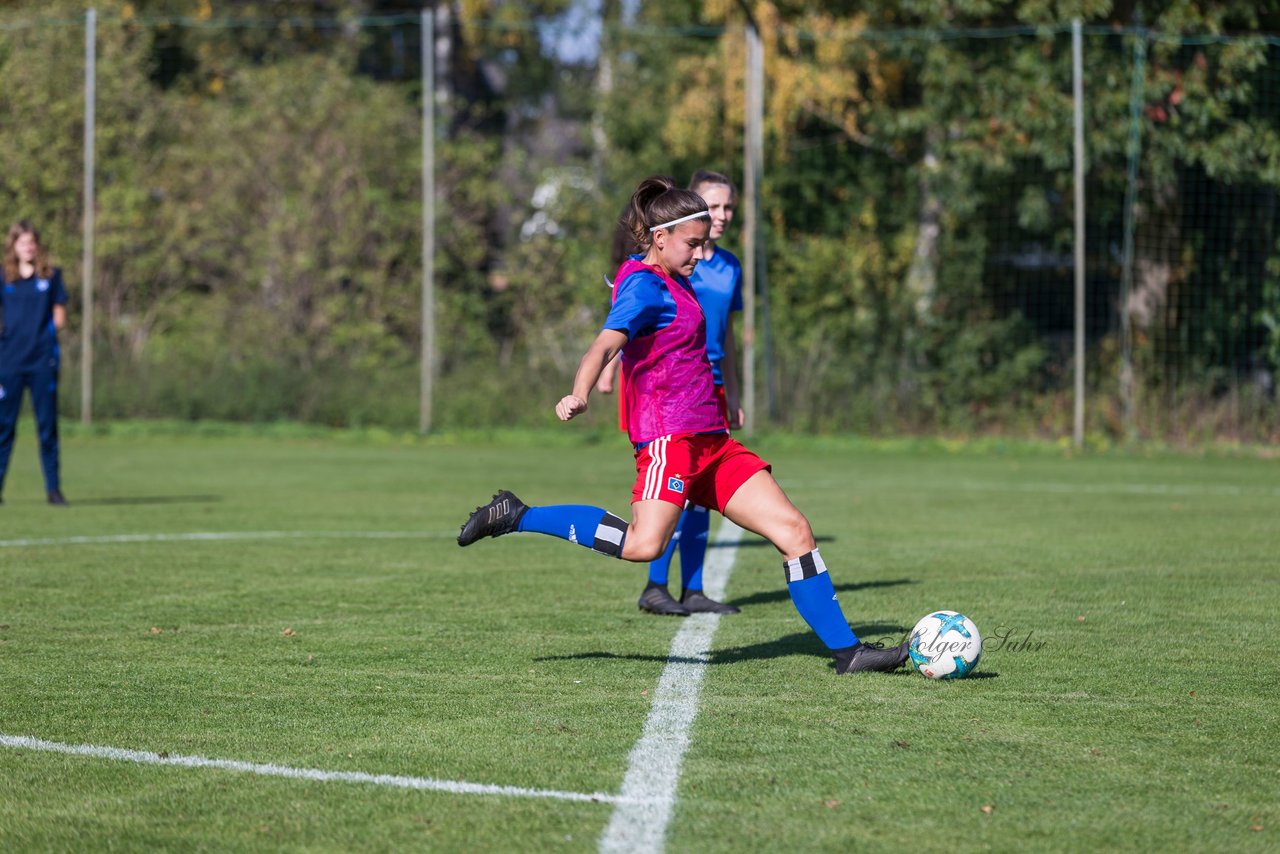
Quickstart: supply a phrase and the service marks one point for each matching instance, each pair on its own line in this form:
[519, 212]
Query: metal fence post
[428, 368]
[86, 330]
[752, 168]
[1077, 74]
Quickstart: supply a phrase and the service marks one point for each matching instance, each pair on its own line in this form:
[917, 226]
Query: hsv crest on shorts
[675, 484]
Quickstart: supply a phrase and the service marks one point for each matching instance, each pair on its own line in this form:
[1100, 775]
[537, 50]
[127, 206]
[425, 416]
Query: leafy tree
[258, 195]
[972, 133]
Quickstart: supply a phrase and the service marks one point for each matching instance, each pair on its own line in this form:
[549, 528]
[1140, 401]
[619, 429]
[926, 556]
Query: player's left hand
[737, 418]
[569, 406]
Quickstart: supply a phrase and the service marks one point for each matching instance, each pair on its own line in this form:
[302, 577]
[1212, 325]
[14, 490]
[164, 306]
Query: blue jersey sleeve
[59, 290]
[640, 306]
[735, 304]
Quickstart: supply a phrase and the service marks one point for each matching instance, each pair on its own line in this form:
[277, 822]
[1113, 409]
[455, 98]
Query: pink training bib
[667, 382]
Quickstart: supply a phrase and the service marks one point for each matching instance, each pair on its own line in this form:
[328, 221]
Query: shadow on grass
[804, 643]
[781, 595]
[759, 543]
[138, 500]
[800, 643]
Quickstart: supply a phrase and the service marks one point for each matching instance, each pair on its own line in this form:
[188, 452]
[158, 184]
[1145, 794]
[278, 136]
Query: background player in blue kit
[717, 281]
[33, 307]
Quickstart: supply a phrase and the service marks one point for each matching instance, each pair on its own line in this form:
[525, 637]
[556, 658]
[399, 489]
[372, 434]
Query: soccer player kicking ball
[676, 422]
[717, 283]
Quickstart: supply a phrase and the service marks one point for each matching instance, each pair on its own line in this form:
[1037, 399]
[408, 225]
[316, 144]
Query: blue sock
[660, 569]
[590, 527]
[814, 596]
[694, 525]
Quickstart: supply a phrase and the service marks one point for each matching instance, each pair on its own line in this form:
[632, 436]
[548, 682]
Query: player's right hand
[569, 406]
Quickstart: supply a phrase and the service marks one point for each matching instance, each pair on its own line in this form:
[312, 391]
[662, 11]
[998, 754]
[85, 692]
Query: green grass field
[1126, 699]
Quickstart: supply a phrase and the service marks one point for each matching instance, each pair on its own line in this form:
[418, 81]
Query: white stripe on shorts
[657, 468]
[657, 461]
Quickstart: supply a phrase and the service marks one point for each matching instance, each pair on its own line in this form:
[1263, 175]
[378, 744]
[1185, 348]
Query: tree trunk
[1156, 244]
[604, 89]
[443, 52]
[922, 277]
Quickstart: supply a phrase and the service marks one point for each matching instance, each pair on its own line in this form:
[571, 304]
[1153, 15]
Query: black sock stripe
[612, 521]
[809, 565]
[801, 568]
[611, 533]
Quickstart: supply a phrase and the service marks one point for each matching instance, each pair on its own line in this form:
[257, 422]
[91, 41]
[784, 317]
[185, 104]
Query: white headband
[680, 220]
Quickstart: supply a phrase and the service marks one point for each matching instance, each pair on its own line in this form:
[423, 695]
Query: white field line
[645, 804]
[648, 797]
[1158, 489]
[217, 536]
[1176, 489]
[455, 787]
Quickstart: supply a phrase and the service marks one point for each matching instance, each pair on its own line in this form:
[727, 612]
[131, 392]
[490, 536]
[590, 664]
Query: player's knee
[643, 548]
[795, 534]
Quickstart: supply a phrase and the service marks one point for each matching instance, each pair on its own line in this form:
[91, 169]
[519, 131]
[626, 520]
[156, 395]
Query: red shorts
[705, 469]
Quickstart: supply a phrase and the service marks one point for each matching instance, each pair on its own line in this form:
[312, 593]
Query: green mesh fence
[259, 213]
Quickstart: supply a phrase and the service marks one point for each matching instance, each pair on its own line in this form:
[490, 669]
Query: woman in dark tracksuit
[33, 307]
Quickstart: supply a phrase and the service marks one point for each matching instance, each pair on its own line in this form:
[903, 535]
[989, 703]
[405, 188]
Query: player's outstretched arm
[607, 345]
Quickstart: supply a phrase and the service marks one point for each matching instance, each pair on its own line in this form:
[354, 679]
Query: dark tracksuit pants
[43, 383]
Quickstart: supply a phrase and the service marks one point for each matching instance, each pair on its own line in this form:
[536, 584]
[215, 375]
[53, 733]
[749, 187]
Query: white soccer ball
[945, 645]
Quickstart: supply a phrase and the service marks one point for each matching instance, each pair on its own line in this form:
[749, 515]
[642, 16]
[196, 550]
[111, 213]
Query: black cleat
[500, 516]
[57, 498]
[656, 599]
[871, 657]
[699, 603]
